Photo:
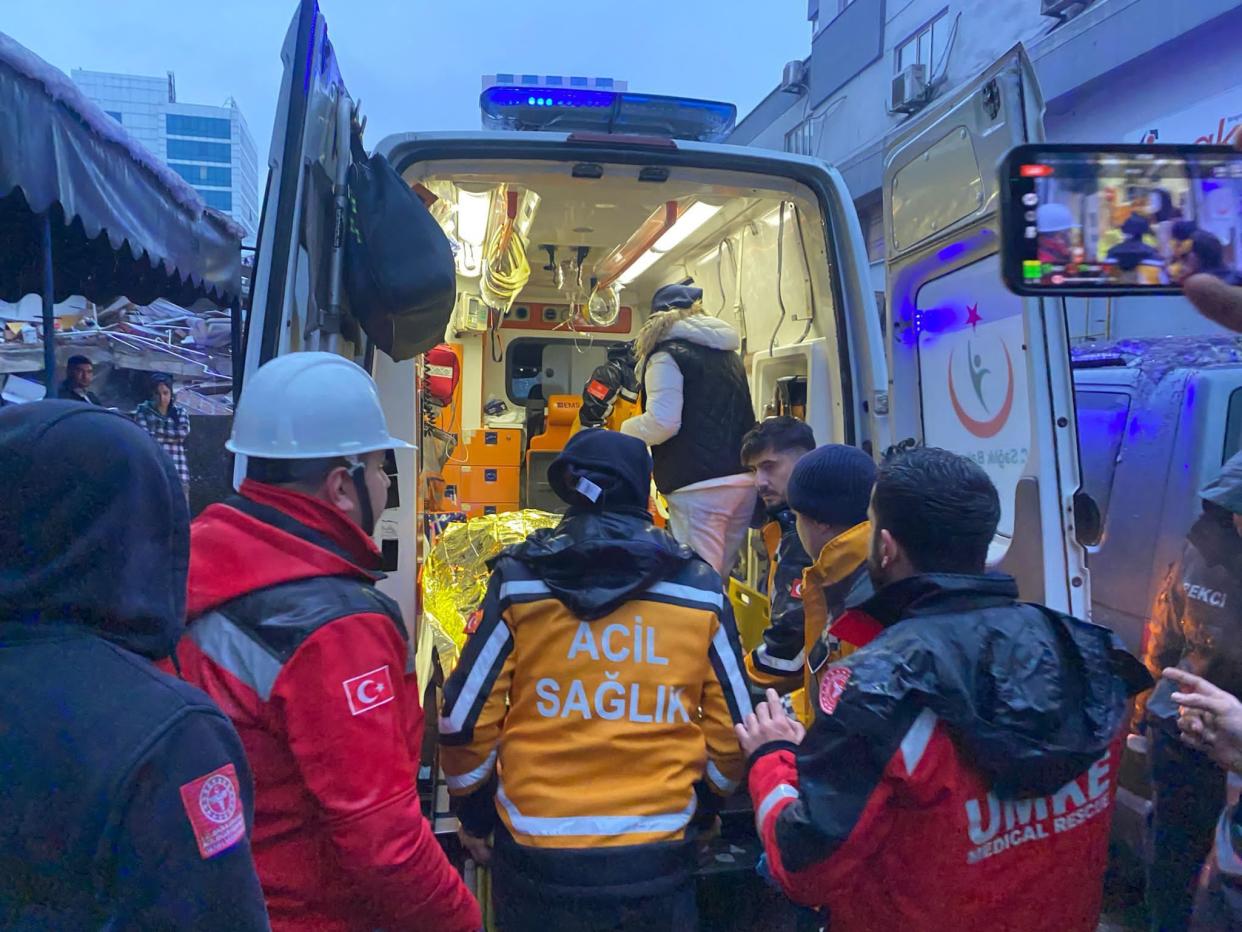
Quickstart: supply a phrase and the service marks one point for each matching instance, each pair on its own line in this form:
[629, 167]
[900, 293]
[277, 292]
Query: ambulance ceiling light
[694, 217]
[472, 213]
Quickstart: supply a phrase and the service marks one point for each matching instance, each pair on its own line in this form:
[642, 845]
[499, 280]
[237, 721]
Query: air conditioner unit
[794, 77]
[910, 89]
[1063, 9]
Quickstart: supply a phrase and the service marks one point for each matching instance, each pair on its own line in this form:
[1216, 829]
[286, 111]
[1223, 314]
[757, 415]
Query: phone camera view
[1108, 220]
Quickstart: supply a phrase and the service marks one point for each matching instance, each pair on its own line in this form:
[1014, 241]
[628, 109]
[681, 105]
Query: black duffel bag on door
[400, 277]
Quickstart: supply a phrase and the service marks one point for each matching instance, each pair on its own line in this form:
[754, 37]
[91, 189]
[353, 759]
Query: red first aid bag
[443, 371]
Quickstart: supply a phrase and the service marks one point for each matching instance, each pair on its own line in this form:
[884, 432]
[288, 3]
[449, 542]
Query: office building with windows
[210, 147]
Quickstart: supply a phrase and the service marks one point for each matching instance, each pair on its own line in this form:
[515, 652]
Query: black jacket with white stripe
[601, 684]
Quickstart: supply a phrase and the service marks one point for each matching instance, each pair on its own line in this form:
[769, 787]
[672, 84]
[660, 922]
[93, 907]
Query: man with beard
[771, 451]
[961, 767]
[291, 637]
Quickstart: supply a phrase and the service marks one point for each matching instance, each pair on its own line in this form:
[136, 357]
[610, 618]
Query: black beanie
[602, 469]
[832, 485]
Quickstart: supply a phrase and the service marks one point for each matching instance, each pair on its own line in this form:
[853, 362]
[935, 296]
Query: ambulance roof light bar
[568, 109]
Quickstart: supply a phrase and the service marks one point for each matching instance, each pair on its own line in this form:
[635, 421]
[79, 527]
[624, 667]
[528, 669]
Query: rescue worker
[770, 452]
[1210, 720]
[696, 410]
[981, 734]
[1057, 228]
[1134, 248]
[289, 634]
[610, 397]
[829, 491]
[589, 722]
[125, 797]
[1195, 626]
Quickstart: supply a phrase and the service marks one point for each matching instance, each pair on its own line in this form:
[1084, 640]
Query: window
[193, 150]
[115, 115]
[925, 47]
[803, 139]
[176, 124]
[219, 200]
[204, 174]
[536, 368]
[823, 12]
[1101, 426]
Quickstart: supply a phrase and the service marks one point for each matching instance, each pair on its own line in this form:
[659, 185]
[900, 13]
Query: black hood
[94, 528]
[594, 562]
[1216, 539]
[623, 353]
[1033, 696]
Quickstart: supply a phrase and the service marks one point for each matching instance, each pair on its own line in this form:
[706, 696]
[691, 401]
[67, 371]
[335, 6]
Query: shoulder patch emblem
[795, 588]
[213, 804]
[369, 690]
[832, 686]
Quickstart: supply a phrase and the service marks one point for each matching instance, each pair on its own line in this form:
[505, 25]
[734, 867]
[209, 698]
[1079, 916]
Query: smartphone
[1118, 220]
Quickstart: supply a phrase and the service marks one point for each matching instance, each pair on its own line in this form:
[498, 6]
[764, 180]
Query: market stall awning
[123, 222]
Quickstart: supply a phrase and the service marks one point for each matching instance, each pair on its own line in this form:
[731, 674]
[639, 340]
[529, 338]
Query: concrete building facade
[1109, 70]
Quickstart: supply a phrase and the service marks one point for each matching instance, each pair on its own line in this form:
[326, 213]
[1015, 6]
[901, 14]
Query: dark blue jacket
[125, 798]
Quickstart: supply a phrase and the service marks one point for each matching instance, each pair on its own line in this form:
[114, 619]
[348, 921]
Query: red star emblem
[972, 315]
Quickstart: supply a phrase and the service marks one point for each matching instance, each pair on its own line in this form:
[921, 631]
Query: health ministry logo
[987, 386]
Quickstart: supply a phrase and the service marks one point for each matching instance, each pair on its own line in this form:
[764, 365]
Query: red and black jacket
[961, 768]
[289, 635]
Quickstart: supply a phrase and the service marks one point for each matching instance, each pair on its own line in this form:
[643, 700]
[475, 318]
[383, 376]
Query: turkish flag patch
[369, 690]
[832, 686]
[597, 389]
[472, 623]
[213, 803]
[795, 589]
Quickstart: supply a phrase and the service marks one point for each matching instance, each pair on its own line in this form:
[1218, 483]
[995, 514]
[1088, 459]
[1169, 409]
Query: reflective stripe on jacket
[290, 637]
[585, 735]
[778, 662]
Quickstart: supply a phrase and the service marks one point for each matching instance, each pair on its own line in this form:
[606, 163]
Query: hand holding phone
[1116, 220]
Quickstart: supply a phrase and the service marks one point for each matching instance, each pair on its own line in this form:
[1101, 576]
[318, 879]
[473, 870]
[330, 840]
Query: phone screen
[1120, 220]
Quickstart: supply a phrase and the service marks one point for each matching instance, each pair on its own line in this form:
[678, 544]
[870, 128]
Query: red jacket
[961, 771]
[289, 635]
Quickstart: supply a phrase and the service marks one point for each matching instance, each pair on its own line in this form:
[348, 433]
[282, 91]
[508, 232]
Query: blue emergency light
[522, 108]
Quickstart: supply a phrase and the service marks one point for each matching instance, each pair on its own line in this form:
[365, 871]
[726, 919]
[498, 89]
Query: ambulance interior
[558, 261]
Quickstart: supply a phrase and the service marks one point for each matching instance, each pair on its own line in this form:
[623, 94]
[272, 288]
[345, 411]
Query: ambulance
[607, 196]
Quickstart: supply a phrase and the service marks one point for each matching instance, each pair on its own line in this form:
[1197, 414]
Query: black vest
[716, 413]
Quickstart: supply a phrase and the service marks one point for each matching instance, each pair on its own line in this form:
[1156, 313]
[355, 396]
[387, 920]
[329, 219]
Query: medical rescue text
[613, 699]
[996, 826]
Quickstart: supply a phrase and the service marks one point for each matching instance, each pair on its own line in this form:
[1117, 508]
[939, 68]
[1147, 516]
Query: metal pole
[237, 361]
[49, 313]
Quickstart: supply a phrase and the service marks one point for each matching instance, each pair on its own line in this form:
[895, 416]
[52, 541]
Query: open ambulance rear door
[974, 368]
[296, 288]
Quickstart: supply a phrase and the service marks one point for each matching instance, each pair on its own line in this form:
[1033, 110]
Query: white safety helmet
[1054, 218]
[310, 406]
